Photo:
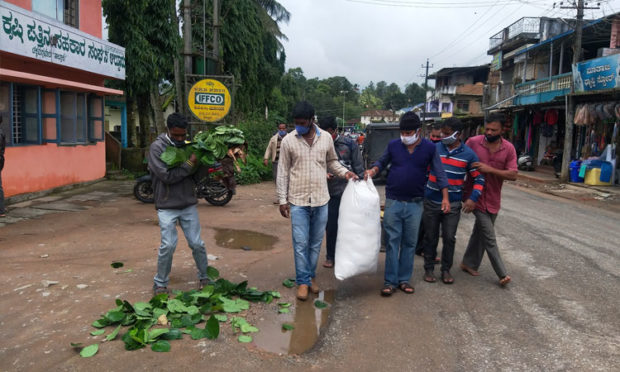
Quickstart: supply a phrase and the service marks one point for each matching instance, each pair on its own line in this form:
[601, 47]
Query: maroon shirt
[503, 159]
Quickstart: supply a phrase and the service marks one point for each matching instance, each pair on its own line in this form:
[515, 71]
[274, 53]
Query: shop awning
[51, 82]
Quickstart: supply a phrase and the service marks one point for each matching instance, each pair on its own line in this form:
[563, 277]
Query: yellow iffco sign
[209, 100]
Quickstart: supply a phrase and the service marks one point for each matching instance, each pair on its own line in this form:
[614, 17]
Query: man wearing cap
[410, 158]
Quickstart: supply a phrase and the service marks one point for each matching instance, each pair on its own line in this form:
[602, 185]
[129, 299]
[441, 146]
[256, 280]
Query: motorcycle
[208, 186]
[525, 162]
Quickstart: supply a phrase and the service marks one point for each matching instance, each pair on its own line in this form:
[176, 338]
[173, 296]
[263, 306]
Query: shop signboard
[35, 36]
[496, 63]
[209, 100]
[597, 74]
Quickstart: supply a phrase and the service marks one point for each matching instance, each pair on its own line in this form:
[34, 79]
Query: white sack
[359, 230]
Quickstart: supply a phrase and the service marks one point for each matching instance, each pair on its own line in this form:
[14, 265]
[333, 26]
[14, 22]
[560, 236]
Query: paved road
[560, 313]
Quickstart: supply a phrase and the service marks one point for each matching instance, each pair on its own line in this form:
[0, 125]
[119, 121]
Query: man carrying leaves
[175, 201]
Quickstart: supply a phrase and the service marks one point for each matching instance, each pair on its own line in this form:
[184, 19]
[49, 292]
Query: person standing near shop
[498, 162]
[457, 160]
[306, 155]
[175, 201]
[410, 157]
[350, 156]
[273, 151]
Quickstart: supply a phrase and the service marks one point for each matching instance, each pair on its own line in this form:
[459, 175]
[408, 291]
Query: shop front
[53, 64]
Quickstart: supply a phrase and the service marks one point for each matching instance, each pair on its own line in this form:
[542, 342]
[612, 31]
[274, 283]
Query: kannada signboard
[32, 35]
[209, 100]
[597, 74]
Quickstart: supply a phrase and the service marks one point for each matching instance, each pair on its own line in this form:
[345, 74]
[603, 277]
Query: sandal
[469, 270]
[429, 276]
[387, 290]
[505, 280]
[405, 287]
[446, 278]
[328, 264]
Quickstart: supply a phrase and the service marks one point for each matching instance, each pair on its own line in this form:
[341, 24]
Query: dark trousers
[419, 249]
[274, 171]
[483, 239]
[433, 218]
[332, 226]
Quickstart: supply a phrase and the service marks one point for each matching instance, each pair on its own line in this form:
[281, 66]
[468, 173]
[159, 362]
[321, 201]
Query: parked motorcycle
[525, 162]
[209, 186]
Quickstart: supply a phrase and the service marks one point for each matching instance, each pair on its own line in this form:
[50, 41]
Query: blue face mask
[301, 129]
[282, 133]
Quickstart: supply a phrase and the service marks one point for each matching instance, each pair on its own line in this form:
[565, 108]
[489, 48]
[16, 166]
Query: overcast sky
[374, 40]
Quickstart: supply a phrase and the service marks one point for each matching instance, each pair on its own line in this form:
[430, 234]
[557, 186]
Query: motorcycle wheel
[220, 197]
[143, 191]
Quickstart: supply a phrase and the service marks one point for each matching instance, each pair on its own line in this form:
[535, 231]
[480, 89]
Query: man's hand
[329, 176]
[445, 205]
[265, 162]
[193, 158]
[285, 210]
[370, 173]
[468, 206]
[482, 167]
[350, 175]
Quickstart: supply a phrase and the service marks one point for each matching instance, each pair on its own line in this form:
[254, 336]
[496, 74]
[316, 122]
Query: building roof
[446, 71]
[381, 113]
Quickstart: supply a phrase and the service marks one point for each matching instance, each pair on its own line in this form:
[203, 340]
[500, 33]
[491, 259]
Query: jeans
[401, 221]
[188, 219]
[308, 226]
[483, 239]
[331, 232]
[433, 217]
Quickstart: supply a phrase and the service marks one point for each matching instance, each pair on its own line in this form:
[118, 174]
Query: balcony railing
[528, 26]
[557, 82]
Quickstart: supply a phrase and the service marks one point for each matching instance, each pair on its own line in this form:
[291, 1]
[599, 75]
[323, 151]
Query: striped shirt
[302, 169]
[457, 164]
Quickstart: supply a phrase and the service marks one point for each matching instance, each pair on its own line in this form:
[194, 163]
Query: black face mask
[435, 140]
[176, 143]
[492, 139]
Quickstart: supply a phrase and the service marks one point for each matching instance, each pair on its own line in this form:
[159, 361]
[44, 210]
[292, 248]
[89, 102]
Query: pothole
[244, 239]
[308, 320]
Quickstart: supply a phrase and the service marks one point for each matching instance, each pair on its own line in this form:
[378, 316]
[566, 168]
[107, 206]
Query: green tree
[147, 30]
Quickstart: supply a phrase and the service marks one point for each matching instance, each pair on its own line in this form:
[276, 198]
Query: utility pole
[570, 109]
[187, 48]
[344, 100]
[425, 76]
[216, 36]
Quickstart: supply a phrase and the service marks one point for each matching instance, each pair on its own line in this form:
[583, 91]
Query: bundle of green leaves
[209, 147]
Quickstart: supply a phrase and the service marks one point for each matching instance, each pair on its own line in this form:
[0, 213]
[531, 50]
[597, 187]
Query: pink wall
[35, 168]
[24, 4]
[90, 17]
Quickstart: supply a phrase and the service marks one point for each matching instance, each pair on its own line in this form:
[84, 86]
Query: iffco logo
[209, 99]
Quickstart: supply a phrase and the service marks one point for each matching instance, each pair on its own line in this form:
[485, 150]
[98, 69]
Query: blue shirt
[408, 172]
[457, 164]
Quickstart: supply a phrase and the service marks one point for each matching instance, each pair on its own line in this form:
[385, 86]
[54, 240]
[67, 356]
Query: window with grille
[25, 115]
[72, 117]
[65, 11]
[462, 105]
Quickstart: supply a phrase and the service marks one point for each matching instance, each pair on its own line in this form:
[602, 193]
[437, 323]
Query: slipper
[328, 264]
[446, 278]
[429, 276]
[469, 270]
[387, 290]
[505, 280]
[405, 287]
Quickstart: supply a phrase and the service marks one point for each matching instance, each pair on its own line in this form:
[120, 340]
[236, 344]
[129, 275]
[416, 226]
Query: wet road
[561, 312]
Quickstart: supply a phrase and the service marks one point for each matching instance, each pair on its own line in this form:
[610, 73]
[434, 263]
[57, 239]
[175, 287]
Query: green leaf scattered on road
[161, 346]
[221, 317]
[289, 283]
[320, 304]
[113, 334]
[284, 310]
[97, 332]
[89, 351]
[245, 339]
[287, 327]
[212, 273]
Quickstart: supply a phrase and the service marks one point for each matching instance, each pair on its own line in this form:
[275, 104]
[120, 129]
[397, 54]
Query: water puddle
[308, 321]
[244, 239]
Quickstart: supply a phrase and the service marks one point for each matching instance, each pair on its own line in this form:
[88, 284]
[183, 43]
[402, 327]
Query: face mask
[282, 133]
[174, 142]
[409, 140]
[492, 139]
[450, 139]
[301, 129]
[435, 139]
[334, 136]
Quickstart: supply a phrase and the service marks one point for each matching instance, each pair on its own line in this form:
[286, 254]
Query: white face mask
[409, 140]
